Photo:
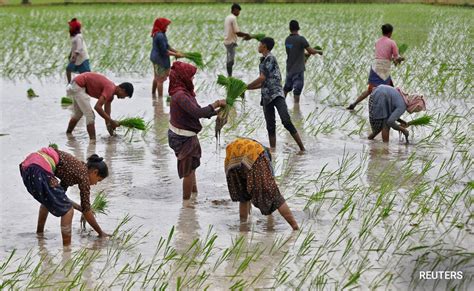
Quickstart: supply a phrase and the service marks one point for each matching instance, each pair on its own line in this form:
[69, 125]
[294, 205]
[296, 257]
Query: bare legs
[189, 185]
[90, 128]
[42, 216]
[284, 210]
[66, 224]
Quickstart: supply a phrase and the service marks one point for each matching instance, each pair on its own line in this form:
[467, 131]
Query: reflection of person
[296, 45]
[386, 50]
[231, 33]
[250, 178]
[184, 125]
[78, 58]
[160, 55]
[269, 81]
[386, 106]
[40, 171]
[88, 85]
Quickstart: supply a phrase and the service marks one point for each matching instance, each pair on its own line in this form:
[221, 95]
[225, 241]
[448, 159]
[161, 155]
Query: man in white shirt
[231, 33]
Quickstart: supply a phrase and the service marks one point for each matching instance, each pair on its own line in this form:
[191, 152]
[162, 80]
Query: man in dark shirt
[272, 93]
[296, 45]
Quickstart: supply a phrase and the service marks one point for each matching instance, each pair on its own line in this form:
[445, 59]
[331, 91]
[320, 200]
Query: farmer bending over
[250, 178]
[40, 172]
[87, 85]
[386, 106]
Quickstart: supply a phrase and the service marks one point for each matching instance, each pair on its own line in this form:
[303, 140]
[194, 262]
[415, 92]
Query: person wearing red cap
[78, 58]
[88, 85]
[160, 54]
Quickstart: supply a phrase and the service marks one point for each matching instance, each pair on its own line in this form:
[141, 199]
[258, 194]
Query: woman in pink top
[386, 50]
[87, 85]
[40, 172]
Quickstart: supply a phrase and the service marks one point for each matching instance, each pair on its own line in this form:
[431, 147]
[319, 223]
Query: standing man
[231, 32]
[386, 50]
[272, 93]
[87, 85]
[296, 45]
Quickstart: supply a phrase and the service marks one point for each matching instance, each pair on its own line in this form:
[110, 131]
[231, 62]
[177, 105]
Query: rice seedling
[195, 57]
[402, 48]
[133, 123]
[66, 101]
[258, 36]
[424, 120]
[234, 89]
[30, 93]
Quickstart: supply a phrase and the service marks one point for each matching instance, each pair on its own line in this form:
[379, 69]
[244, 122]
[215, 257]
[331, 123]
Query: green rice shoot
[100, 204]
[195, 57]
[424, 120]
[133, 123]
[234, 88]
[66, 101]
[31, 93]
[258, 36]
[53, 145]
[403, 48]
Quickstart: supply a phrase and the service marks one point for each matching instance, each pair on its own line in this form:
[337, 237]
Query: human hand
[219, 103]
[114, 124]
[104, 235]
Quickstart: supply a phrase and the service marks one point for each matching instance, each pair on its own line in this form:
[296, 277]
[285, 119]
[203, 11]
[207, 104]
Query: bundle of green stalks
[403, 48]
[234, 88]
[133, 123]
[99, 206]
[424, 120]
[66, 101]
[318, 48]
[53, 145]
[196, 58]
[31, 93]
[258, 36]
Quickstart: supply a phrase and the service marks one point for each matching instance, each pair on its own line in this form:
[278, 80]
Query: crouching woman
[40, 172]
[250, 178]
[387, 105]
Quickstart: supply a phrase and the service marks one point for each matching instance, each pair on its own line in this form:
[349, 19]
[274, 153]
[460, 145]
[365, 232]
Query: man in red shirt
[95, 85]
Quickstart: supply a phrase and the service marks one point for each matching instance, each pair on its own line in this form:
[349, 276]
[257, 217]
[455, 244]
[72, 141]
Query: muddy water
[144, 184]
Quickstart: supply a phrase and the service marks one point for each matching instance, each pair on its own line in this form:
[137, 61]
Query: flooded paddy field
[372, 215]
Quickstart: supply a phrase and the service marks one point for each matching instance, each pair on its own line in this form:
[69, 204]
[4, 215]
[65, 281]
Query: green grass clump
[66, 101]
[196, 58]
[424, 120]
[31, 93]
[53, 145]
[235, 88]
[258, 36]
[403, 48]
[133, 122]
[100, 204]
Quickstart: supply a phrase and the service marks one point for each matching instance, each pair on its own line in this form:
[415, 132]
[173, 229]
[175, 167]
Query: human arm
[195, 110]
[257, 83]
[99, 107]
[175, 53]
[84, 188]
[313, 51]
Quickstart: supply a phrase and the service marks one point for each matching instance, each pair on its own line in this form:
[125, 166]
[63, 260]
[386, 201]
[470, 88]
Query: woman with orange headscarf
[184, 126]
[160, 54]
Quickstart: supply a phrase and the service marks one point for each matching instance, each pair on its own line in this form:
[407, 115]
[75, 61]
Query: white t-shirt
[230, 29]
[79, 46]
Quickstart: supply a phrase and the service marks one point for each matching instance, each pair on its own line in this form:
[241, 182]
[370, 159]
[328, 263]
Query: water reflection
[187, 226]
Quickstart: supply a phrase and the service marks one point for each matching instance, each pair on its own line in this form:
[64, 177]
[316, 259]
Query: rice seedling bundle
[53, 145]
[258, 36]
[31, 93]
[133, 123]
[235, 88]
[403, 48]
[424, 120]
[100, 204]
[66, 101]
[195, 57]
